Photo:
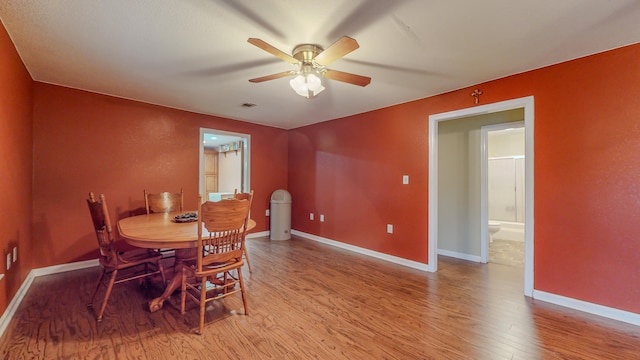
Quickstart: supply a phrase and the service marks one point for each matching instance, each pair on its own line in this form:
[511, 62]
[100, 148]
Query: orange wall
[88, 142]
[15, 167]
[351, 171]
[587, 175]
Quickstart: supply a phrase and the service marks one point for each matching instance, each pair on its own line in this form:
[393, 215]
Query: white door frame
[246, 181]
[528, 104]
[484, 183]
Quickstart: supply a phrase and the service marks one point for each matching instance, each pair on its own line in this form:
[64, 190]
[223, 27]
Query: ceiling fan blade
[272, 76]
[337, 50]
[272, 50]
[347, 77]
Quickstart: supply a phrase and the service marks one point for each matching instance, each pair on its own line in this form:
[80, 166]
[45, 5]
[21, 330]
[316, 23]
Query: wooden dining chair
[225, 223]
[164, 202]
[245, 196]
[122, 266]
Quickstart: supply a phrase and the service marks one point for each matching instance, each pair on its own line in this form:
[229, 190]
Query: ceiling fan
[311, 61]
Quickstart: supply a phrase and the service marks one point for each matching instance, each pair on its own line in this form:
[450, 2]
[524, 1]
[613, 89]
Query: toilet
[494, 227]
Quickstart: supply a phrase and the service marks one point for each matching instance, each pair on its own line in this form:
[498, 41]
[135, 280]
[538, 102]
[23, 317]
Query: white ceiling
[194, 55]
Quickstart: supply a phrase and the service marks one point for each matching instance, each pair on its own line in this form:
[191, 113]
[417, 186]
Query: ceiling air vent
[248, 105]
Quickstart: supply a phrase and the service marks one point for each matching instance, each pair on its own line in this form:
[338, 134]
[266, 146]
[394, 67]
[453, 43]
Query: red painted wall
[351, 171]
[587, 175]
[15, 168]
[88, 142]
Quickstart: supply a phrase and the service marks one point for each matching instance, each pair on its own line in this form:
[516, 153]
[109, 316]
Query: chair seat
[130, 258]
[214, 268]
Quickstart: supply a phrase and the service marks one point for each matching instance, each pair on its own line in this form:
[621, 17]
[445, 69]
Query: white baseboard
[359, 250]
[15, 302]
[591, 308]
[26, 284]
[55, 269]
[257, 235]
[458, 255]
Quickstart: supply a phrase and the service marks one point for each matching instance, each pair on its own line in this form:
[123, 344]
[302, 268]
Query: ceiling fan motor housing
[306, 52]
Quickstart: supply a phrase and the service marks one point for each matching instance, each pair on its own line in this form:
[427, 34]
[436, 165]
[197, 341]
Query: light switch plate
[267, 212]
[8, 261]
[405, 179]
[321, 218]
[311, 217]
[389, 228]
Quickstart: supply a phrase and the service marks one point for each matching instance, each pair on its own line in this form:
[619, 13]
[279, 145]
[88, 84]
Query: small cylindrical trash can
[280, 215]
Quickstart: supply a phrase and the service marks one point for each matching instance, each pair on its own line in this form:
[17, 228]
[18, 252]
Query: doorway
[224, 163]
[502, 198]
[527, 106]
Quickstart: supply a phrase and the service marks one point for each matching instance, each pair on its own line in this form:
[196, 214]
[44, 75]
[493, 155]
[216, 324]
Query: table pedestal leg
[182, 257]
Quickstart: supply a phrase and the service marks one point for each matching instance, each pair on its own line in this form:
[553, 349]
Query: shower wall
[506, 175]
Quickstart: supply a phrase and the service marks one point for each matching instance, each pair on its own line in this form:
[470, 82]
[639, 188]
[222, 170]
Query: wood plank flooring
[311, 301]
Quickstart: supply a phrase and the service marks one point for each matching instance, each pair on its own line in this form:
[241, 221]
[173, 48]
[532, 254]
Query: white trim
[528, 104]
[432, 236]
[591, 308]
[55, 269]
[359, 250]
[246, 166]
[257, 235]
[459, 255]
[15, 302]
[26, 284]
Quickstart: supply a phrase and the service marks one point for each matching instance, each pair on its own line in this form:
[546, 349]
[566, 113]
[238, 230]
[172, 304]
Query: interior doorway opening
[502, 197]
[526, 105]
[224, 163]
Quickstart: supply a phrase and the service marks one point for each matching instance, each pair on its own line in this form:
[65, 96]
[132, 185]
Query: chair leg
[203, 302]
[246, 256]
[244, 297]
[95, 291]
[107, 294]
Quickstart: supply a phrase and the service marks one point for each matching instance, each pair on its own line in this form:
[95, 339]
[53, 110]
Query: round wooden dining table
[162, 231]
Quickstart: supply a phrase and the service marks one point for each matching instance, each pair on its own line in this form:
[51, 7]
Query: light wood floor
[311, 301]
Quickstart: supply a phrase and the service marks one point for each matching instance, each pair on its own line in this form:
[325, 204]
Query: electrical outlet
[15, 253]
[405, 179]
[8, 261]
[310, 216]
[266, 212]
[321, 218]
[389, 228]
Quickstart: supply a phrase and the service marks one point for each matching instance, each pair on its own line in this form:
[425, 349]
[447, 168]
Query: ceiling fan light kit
[312, 61]
[308, 85]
